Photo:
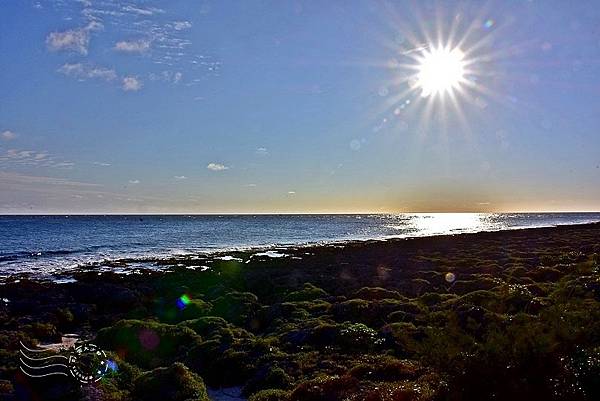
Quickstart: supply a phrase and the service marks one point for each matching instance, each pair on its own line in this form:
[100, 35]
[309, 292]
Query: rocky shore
[511, 315]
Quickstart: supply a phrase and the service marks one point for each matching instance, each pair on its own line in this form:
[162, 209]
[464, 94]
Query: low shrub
[174, 383]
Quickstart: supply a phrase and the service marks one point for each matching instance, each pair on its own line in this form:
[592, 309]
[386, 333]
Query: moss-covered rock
[268, 377]
[326, 388]
[479, 284]
[270, 395]
[43, 331]
[236, 307]
[386, 369]
[404, 337]
[176, 383]
[546, 274]
[148, 344]
[194, 309]
[374, 293]
[216, 328]
[357, 337]
[374, 313]
[308, 293]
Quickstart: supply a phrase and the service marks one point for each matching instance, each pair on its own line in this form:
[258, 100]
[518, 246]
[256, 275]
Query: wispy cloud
[132, 84]
[291, 192]
[64, 164]
[146, 11]
[217, 167]
[134, 181]
[180, 177]
[76, 40]
[101, 164]
[35, 158]
[164, 40]
[86, 71]
[167, 76]
[22, 192]
[181, 25]
[83, 72]
[133, 46]
[8, 135]
[16, 178]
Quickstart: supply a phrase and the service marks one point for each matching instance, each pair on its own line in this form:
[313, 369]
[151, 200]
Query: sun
[440, 70]
[443, 74]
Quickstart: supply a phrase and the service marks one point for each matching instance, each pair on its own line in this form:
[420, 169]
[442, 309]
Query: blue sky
[295, 106]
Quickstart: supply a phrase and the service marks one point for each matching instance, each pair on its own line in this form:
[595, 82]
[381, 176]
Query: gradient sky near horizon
[188, 106]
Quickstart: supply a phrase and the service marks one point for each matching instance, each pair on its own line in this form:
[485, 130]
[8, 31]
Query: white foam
[271, 254]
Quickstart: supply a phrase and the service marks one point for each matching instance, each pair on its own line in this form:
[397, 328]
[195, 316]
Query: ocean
[46, 246]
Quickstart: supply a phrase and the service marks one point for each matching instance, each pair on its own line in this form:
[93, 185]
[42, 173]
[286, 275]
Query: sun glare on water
[440, 70]
[448, 223]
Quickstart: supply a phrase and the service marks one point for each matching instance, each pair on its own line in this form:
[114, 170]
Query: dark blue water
[46, 245]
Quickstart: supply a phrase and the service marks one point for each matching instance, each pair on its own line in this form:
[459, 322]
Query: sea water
[47, 245]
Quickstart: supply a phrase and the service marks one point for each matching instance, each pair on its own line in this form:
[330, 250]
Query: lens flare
[183, 301]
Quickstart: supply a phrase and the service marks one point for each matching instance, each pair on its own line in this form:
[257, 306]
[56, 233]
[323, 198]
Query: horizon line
[289, 213]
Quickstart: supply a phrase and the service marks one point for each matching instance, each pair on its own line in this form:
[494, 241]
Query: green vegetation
[175, 383]
[520, 322]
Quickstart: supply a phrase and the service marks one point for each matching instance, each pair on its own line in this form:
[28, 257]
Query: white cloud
[262, 151]
[102, 164]
[133, 46]
[139, 28]
[217, 167]
[167, 76]
[85, 71]
[143, 11]
[180, 177]
[94, 26]
[8, 135]
[76, 40]
[134, 181]
[72, 69]
[291, 192]
[250, 185]
[181, 25]
[102, 73]
[64, 164]
[132, 84]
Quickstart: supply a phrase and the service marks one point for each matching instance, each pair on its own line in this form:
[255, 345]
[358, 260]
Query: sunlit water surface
[45, 245]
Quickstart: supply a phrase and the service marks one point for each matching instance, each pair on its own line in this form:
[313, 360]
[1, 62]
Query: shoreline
[286, 249]
[424, 318]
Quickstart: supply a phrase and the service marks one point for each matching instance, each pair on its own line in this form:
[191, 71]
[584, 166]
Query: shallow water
[46, 245]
